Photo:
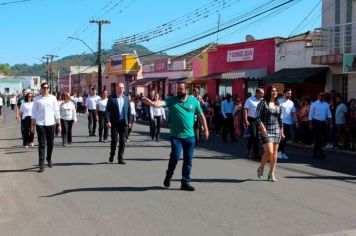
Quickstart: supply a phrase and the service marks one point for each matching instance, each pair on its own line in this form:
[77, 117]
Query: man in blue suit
[118, 119]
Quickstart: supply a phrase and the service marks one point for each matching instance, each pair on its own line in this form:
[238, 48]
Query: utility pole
[51, 56]
[100, 23]
[47, 73]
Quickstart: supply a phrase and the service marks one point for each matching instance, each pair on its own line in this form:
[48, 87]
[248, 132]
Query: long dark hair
[268, 96]
[27, 96]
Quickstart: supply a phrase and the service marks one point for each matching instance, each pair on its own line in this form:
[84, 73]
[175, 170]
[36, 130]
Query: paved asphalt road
[84, 195]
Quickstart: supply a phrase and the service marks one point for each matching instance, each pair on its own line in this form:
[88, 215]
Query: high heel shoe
[259, 173]
[271, 178]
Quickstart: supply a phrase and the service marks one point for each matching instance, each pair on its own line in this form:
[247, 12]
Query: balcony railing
[335, 40]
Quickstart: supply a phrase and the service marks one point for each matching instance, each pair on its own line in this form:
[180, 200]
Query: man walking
[288, 117]
[118, 118]
[90, 104]
[45, 115]
[251, 122]
[182, 109]
[227, 110]
[319, 118]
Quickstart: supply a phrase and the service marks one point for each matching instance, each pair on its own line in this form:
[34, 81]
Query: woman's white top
[26, 109]
[13, 101]
[102, 103]
[157, 112]
[67, 111]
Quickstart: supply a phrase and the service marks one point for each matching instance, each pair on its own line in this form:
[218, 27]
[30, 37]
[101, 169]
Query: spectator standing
[319, 118]
[227, 110]
[237, 117]
[217, 115]
[289, 116]
[250, 122]
[340, 122]
[133, 117]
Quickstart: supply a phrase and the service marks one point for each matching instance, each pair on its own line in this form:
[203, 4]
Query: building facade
[80, 79]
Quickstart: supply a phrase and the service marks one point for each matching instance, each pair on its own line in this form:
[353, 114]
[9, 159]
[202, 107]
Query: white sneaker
[285, 156]
[280, 155]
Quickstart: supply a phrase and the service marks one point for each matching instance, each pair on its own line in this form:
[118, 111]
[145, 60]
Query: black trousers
[28, 135]
[0, 109]
[23, 132]
[92, 122]
[45, 135]
[228, 127]
[67, 126]
[217, 122]
[102, 126]
[319, 130]
[79, 107]
[156, 127]
[118, 132]
[254, 139]
[286, 131]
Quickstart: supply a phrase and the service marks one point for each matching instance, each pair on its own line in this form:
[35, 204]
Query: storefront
[236, 69]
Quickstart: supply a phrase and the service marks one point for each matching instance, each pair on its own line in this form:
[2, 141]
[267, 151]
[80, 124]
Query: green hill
[84, 60]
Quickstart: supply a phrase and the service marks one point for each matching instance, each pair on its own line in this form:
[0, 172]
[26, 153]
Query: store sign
[349, 64]
[116, 63]
[240, 55]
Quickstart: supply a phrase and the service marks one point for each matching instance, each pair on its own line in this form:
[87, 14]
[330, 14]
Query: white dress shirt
[157, 112]
[319, 111]
[120, 101]
[67, 111]
[1, 102]
[26, 109]
[227, 107]
[102, 103]
[251, 106]
[91, 101]
[287, 107]
[45, 110]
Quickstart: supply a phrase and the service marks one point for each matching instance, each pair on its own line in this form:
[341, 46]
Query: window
[344, 86]
[225, 88]
[7, 90]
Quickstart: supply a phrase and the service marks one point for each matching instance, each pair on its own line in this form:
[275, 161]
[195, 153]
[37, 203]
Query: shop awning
[145, 81]
[257, 73]
[297, 75]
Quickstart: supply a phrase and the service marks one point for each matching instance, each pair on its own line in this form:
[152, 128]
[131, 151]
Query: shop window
[225, 88]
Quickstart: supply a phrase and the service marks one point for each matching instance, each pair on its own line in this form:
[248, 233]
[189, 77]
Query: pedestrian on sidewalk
[68, 118]
[45, 115]
[1, 103]
[90, 104]
[26, 117]
[288, 117]
[118, 118]
[319, 119]
[157, 114]
[227, 111]
[100, 116]
[268, 117]
[251, 123]
[182, 109]
[133, 117]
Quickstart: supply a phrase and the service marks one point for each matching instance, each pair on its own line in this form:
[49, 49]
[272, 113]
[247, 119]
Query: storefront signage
[116, 63]
[349, 64]
[240, 55]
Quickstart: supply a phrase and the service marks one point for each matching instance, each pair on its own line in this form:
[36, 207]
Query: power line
[12, 2]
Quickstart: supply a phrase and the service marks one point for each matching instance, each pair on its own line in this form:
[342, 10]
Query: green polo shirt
[181, 115]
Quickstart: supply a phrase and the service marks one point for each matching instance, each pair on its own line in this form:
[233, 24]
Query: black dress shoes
[111, 159]
[122, 162]
[41, 170]
[49, 163]
[187, 187]
[167, 182]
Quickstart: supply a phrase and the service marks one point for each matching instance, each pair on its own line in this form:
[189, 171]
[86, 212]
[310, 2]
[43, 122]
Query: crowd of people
[269, 119]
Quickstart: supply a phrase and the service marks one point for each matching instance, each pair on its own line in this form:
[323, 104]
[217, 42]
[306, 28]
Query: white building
[10, 86]
[334, 41]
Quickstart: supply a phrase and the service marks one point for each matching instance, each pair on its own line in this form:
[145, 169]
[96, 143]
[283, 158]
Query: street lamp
[81, 40]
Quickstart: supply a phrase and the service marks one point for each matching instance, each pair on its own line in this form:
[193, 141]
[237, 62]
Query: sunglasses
[45, 87]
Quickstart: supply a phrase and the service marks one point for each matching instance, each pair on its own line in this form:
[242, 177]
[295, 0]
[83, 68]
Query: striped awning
[245, 74]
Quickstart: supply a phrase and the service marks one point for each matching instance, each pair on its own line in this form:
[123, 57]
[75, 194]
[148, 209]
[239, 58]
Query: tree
[5, 68]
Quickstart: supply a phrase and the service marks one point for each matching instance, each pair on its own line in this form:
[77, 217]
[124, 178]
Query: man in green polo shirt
[182, 109]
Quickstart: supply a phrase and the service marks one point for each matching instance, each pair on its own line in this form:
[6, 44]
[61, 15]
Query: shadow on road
[235, 181]
[107, 189]
[348, 179]
[32, 169]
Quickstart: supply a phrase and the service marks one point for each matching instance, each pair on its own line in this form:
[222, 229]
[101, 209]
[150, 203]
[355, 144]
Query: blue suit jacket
[112, 111]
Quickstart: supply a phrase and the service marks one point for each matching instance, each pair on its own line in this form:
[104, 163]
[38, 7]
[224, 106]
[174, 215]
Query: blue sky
[34, 28]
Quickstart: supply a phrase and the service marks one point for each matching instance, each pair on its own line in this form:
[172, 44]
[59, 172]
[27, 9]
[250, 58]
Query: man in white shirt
[90, 104]
[288, 117]
[45, 115]
[227, 110]
[250, 121]
[319, 118]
